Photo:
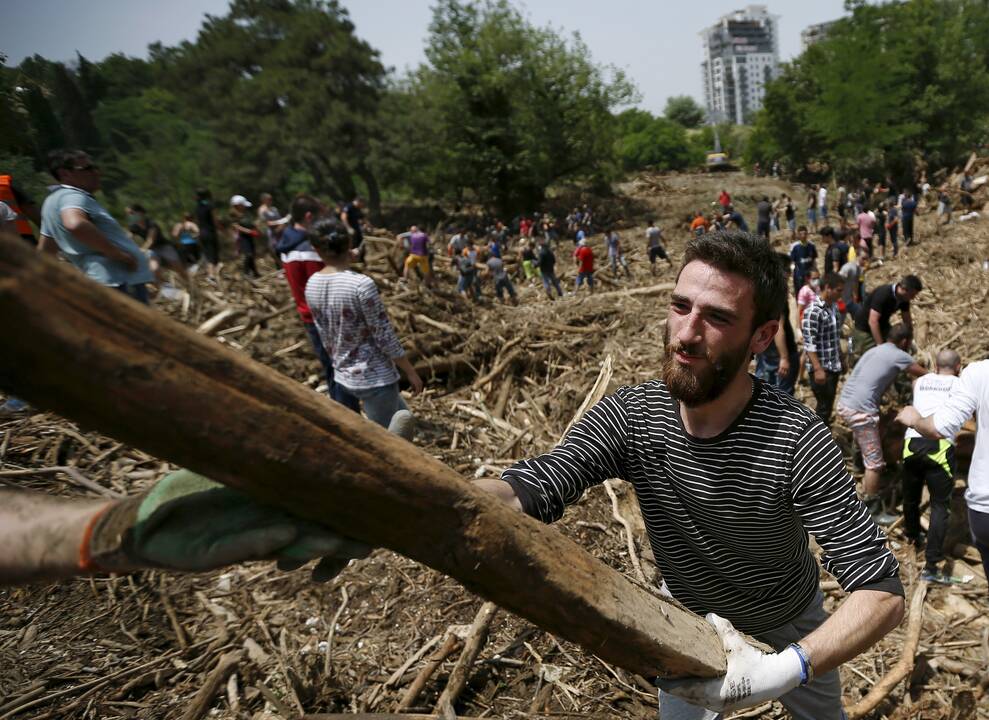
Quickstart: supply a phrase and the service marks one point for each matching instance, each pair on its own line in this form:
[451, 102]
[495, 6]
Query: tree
[285, 86]
[891, 83]
[651, 142]
[507, 109]
[684, 110]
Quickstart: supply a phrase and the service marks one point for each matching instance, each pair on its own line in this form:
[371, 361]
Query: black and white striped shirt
[728, 517]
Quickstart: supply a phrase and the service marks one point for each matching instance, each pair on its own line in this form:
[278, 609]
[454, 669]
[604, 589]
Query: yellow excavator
[717, 160]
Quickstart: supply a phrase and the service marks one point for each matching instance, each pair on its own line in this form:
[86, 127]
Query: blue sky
[656, 43]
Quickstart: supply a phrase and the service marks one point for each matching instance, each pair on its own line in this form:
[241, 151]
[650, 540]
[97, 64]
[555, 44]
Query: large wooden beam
[115, 366]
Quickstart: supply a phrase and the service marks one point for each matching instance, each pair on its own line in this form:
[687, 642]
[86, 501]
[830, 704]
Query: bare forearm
[47, 245]
[861, 621]
[89, 235]
[41, 534]
[501, 490]
[815, 362]
[877, 334]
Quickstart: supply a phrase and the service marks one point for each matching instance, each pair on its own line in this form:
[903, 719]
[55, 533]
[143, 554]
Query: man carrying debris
[822, 344]
[873, 318]
[930, 462]
[76, 225]
[859, 404]
[731, 476]
[969, 395]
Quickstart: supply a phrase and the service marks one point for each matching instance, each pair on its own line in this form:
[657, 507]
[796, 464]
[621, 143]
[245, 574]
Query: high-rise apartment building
[815, 33]
[741, 55]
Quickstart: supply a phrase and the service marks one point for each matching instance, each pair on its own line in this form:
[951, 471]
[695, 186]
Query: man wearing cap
[584, 259]
[75, 224]
[244, 232]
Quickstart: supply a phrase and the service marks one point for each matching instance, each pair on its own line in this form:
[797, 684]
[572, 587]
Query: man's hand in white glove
[753, 676]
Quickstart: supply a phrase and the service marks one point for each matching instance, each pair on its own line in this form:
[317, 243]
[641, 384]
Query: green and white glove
[752, 677]
[188, 522]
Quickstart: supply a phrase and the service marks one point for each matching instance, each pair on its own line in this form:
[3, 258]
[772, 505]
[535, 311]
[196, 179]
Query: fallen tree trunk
[111, 364]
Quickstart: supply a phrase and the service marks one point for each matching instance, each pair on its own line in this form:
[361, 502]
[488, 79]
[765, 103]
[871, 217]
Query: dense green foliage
[889, 84]
[684, 110]
[646, 141]
[283, 96]
[503, 109]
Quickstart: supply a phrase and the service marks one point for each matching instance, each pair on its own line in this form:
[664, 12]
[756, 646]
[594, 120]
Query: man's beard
[694, 387]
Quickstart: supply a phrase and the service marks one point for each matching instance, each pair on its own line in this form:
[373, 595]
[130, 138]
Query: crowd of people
[732, 473]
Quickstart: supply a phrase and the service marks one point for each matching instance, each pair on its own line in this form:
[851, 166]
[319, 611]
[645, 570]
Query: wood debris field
[391, 636]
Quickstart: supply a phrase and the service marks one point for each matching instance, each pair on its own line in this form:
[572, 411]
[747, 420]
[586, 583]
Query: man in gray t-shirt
[858, 406]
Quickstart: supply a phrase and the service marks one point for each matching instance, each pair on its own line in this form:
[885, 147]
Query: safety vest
[7, 196]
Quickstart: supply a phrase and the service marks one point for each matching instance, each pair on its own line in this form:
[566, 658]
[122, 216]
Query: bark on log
[146, 380]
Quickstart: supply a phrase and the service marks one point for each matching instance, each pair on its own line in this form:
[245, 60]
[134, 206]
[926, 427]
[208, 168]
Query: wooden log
[157, 385]
[219, 320]
[461, 671]
[214, 681]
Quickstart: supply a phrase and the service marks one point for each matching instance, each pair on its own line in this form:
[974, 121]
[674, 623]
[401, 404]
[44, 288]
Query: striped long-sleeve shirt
[355, 329]
[728, 517]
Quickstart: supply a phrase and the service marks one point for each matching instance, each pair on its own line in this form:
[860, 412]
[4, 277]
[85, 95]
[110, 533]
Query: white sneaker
[403, 424]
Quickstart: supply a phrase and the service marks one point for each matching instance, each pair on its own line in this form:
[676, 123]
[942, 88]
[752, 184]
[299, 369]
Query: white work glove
[753, 676]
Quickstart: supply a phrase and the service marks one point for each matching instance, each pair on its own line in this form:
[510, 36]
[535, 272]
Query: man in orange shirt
[699, 225]
[584, 258]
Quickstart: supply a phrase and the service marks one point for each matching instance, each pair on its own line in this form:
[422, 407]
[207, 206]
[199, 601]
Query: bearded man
[731, 477]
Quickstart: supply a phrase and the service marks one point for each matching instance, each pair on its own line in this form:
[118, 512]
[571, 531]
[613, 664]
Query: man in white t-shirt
[931, 462]
[822, 202]
[969, 395]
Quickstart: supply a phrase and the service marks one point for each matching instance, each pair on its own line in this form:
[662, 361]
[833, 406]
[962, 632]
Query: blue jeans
[335, 390]
[504, 285]
[551, 279]
[468, 281]
[380, 403]
[588, 276]
[767, 368]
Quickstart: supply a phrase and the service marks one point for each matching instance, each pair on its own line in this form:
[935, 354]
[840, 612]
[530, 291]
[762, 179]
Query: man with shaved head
[931, 462]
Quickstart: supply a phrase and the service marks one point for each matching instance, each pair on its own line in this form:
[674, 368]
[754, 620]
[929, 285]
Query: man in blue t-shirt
[75, 224]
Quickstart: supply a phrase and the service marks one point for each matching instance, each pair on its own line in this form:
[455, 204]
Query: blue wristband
[806, 669]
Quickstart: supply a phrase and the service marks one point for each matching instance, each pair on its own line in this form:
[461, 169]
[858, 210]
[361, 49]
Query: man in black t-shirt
[873, 319]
